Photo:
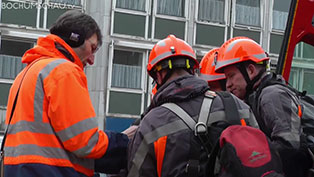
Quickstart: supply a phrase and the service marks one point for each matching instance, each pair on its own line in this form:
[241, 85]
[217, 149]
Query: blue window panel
[118, 124]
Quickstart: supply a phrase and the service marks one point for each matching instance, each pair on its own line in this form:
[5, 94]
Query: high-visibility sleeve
[71, 112]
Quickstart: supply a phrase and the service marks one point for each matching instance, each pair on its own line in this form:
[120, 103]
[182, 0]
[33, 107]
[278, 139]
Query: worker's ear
[251, 70]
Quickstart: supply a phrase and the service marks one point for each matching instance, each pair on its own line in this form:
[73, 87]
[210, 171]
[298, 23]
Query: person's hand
[130, 131]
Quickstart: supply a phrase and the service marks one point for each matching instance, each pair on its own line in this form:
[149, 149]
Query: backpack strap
[185, 117]
[233, 118]
[199, 127]
[232, 114]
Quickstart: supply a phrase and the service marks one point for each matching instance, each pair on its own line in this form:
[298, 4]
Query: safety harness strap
[185, 117]
[199, 128]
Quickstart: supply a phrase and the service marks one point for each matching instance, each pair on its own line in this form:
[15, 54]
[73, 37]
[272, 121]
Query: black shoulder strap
[231, 110]
[12, 111]
[13, 108]
[274, 79]
[233, 118]
[253, 101]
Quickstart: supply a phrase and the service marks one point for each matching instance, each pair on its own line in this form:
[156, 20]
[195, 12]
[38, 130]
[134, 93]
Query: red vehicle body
[300, 28]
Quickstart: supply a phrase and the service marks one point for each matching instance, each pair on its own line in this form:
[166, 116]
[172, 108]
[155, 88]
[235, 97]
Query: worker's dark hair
[74, 27]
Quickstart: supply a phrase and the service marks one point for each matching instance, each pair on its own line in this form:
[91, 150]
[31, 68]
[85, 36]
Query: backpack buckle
[192, 167]
[200, 129]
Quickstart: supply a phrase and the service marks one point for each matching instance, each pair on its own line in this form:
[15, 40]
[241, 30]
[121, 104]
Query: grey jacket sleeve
[278, 110]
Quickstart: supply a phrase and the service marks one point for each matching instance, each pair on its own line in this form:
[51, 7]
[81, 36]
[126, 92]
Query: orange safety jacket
[54, 121]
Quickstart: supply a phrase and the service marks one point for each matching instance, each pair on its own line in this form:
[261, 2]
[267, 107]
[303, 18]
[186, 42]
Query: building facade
[118, 82]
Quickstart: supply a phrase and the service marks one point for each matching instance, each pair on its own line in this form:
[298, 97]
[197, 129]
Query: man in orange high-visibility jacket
[53, 131]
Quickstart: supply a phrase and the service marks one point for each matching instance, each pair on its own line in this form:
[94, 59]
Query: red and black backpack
[243, 151]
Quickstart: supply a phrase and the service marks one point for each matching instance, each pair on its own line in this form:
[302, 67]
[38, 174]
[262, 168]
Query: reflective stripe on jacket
[54, 121]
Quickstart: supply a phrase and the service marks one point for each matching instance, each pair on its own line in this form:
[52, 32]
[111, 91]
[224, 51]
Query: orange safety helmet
[240, 49]
[171, 48]
[207, 67]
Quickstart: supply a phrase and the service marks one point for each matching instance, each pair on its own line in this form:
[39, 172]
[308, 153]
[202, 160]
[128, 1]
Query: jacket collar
[46, 48]
[180, 89]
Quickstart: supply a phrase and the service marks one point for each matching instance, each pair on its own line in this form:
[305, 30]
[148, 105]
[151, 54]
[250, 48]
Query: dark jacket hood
[180, 89]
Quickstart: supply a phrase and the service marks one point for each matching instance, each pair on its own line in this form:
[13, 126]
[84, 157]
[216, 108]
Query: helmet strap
[250, 83]
[164, 80]
[222, 83]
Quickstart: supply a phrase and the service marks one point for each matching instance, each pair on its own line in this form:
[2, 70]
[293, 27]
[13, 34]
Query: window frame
[25, 39]
[149, 12]
[197, 21]
[146, 14]
[142, 91]
[300, 65]
[248, 27]
[234, 25]
[272, 30]
[169, 17]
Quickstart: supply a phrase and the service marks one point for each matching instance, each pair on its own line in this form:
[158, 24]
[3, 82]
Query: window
[248, 12]
[219, 20]
[279, 20]
[10, 58]
[53, 14]
[211, 11]
[4, 92]
[55, 8]
[20, 13]
[169, 18]
[10, 65]
[124, 24]
[2, 119]
[26, 13]
[304, 61]
[211, 26]
[127, 83]
[149, 19]
[131, 4]
[130, 17]
[247, 19]
[280, 13]
[171, 7]
[127, 69]
[307, 84]
[215, 37]
[255, 35]
[275, 43]
[301, 78]
[308, 51]
[70, 2]
[302, 71]
[164, 27]
[125, 103]
[293, 78]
